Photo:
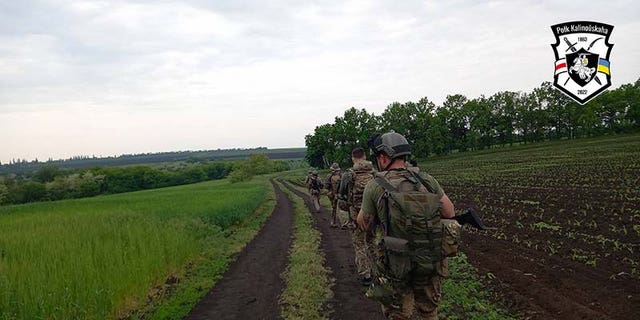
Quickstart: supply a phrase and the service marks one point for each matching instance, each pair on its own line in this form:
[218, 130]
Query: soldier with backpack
[404, 209]
[314, 184]
[352, 186]
[332, 184]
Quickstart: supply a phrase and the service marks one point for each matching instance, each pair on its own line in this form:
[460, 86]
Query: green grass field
[103, 257]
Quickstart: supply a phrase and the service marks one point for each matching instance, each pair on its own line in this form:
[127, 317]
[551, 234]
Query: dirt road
[252, 285]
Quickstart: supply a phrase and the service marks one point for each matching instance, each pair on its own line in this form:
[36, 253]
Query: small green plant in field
[541, 226]
[636, 228]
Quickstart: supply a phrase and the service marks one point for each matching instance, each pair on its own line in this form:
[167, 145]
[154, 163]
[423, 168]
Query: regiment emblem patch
[582, 67]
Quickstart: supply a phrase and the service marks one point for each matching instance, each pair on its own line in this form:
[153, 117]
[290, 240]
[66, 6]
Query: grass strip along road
[107, 256]
[308, 282]
[348, 300]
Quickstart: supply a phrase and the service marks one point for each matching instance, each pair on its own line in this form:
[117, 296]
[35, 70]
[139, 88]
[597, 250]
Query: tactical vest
[315, 183]
[361, 174]
[412, 240]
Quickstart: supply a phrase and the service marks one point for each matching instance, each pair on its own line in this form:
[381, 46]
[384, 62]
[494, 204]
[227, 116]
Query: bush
[47, 173]
[33, 191]
[239, 175]
[4, 193]
[51, 183]
[256, 164]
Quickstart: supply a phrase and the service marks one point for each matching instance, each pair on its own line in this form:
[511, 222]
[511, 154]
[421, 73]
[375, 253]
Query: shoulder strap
[385, 196]
[422, 180]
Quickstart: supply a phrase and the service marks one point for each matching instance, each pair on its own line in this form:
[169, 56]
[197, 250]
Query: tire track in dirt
[252, 285]
[349, 301]
[539, 286]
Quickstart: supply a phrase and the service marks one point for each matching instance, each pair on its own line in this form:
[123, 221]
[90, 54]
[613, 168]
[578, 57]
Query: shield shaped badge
[582, 67]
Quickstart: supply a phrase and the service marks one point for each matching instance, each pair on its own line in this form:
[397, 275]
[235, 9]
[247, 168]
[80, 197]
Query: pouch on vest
[451, 230]
[397, 257]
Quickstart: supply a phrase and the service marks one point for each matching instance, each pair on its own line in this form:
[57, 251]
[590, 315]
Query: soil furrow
[540, 286]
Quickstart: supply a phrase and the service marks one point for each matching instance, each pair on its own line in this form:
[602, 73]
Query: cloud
[266, 71]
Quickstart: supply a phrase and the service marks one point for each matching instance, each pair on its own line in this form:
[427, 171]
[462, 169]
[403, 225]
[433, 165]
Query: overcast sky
[113, 77]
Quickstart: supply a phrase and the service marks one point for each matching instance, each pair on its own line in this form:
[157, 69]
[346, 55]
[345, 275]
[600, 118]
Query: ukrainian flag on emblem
[603, 66]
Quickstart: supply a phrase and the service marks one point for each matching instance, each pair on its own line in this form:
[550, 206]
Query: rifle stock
[470, 217]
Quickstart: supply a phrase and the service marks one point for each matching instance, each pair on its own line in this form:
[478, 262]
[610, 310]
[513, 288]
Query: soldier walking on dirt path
[332, 184]
[405, 210]
[352, 186]
[314, 184]
[310, 177]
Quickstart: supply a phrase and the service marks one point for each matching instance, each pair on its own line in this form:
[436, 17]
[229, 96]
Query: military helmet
[391, 143]
[314, 172]
[335, 167]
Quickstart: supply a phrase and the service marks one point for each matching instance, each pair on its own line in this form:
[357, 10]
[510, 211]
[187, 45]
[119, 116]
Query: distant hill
[151, 158]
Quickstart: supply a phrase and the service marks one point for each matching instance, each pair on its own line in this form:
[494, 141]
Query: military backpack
[412, 241]
[315, 183]
[361, 174]
[334, 181]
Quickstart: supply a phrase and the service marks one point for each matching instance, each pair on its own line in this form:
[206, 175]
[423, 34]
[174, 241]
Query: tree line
[82, 162]
[49, 182]
[462, 124]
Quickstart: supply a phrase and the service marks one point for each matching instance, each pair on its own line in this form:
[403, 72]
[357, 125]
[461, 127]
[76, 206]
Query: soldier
[352, 185]
[307, 181]
[332, 184]
[315, 186]
[405, 210]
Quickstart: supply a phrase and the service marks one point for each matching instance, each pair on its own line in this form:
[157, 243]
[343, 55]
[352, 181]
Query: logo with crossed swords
[582, 67]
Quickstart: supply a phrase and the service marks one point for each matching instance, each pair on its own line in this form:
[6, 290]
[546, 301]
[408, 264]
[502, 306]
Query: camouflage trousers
[334, 206]
[402, 300]
[362, 244]
[417, 301]
[414, 303]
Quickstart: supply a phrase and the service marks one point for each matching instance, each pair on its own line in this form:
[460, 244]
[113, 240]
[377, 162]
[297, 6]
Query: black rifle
[470, 217]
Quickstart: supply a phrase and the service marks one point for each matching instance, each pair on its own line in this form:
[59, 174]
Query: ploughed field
[565, 209]
[108, 256]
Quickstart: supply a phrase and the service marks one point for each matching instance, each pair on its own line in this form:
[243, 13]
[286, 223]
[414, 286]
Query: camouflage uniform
[312, 180]
[400, 300]
[307, 181]
[332, 185]
[361, 239]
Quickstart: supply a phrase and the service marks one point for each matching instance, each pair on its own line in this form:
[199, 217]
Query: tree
[457, 121]
[33, 191]
[351, 130]
[334, 142]
[319, 145]
[411, 120]
[47, 173]
[4, 193]
[632, 95]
